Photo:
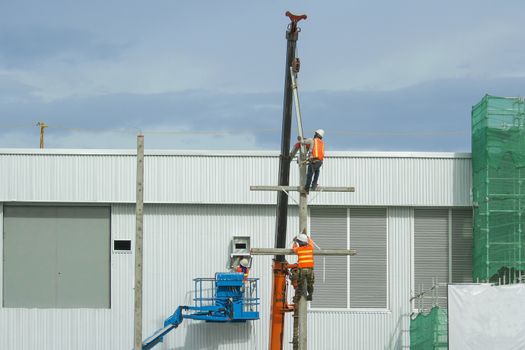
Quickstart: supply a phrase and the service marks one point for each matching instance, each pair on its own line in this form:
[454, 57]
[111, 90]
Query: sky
[207, 74]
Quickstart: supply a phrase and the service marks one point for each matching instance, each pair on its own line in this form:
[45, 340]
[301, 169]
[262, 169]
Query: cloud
[30, 46]
[474, 52]
[97, 49]
[432, 116]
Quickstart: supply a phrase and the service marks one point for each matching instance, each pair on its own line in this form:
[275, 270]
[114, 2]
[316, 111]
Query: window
[56, 257]
[350, 282]
[122, 245]
[442, 251]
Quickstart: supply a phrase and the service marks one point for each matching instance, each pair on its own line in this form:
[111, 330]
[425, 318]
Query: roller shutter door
[56, 257]
[329, 230]
[431, 253]
[368, 269]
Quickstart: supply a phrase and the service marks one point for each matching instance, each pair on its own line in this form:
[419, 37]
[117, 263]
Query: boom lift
[225, 298]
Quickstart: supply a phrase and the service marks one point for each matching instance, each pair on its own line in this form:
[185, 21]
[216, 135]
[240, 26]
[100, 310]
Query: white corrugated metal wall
[388, 179]
[190, 240]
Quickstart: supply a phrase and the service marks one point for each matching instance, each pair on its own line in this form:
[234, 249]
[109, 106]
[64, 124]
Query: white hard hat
[320, 132]
[244, 262]
[302, 237]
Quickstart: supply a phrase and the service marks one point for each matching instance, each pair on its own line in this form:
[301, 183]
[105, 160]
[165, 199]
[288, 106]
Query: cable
[226, 132]
[8, 126]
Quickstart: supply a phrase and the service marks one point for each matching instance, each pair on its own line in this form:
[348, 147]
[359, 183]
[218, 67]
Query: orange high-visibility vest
[305, 254]
[318, 151]
[244, 271]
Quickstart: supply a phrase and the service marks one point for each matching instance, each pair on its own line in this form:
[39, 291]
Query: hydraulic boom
[280, 269]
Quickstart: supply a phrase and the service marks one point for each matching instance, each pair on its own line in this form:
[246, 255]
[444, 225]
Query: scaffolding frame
[498, 158]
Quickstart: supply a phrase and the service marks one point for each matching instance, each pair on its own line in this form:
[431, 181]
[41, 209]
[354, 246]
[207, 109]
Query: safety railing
[206, 289]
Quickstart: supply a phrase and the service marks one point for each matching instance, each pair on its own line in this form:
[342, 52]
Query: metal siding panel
[328, 227]
[122, 279]
[461, 245]
[425, 180]
[81, 329]
[368, 269]
[431, 252]
[176, 241]
[67, 178]
[182, 242]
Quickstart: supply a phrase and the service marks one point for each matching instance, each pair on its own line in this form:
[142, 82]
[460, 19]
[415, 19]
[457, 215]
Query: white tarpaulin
[485, 317]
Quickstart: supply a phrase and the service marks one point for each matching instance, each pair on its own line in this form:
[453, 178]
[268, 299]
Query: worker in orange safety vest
[244, 268]
[303, 246]
[315, 157]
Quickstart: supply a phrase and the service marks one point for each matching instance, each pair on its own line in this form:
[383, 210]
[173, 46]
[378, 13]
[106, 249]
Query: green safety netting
[430, 331]
[498, 187]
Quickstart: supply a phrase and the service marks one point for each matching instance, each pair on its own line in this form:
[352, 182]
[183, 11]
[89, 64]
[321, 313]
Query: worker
[315, 157]
[244, 268]
[303, 246]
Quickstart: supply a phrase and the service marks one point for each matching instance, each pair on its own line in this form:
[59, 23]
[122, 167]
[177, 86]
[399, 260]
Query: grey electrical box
[239, 249]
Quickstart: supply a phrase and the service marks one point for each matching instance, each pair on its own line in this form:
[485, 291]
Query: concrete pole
[301, 304]
[300, 330]
[139, 216]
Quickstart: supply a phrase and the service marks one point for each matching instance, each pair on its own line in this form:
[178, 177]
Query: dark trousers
[313, 171]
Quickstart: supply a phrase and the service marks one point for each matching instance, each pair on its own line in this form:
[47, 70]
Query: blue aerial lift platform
[225, 298]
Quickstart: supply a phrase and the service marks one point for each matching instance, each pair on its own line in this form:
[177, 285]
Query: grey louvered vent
[328, 227]
[431, 252]
[368, 269]
[461, 245]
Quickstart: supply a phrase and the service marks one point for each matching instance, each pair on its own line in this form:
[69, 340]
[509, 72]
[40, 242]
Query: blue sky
[376, 75]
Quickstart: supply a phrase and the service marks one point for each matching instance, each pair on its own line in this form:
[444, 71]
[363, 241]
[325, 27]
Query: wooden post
[42, 126]
[139, 217]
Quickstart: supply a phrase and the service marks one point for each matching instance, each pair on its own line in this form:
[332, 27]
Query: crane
[280, 266]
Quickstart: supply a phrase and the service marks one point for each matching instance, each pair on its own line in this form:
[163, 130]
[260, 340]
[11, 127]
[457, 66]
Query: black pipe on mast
[292, 34]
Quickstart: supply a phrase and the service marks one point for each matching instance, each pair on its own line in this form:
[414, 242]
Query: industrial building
[68, 224]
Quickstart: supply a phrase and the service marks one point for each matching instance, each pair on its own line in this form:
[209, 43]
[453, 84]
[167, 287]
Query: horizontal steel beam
[297, 188]
[284, 251]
